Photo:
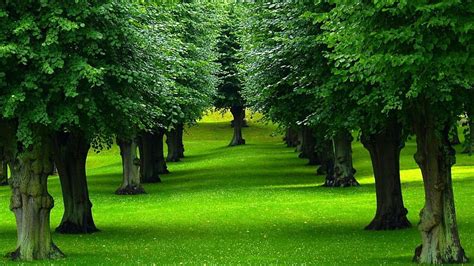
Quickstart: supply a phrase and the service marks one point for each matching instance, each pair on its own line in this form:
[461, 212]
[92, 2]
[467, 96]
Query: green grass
[256, 204]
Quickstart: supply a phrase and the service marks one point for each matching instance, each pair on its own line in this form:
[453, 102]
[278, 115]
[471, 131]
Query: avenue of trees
[77, 76]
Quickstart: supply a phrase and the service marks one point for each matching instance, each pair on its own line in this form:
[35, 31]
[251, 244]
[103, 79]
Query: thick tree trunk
[438, 226]
[130, 165]
[343, 169]
[237, 139]
[70, 155]
[180, 133]
[469, 141]
[31, 203]
[152, 161]
[384, 148]
[244, 121]
[291, 137]
[173, 146]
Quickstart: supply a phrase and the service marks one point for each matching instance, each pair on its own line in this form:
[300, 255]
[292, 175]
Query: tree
[195, 72]
[412, 58]
[285, 71]
[77, 72]
[229, 91]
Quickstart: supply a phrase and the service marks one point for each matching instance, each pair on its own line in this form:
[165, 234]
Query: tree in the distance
[229, 90]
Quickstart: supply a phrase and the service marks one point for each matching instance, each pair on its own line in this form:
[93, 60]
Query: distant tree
[229, 91]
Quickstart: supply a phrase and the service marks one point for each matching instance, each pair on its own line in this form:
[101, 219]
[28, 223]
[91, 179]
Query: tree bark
[30, 202]
[130, 165]
[291, 137]
[70, 155]
[152, 161]
[173, 146]
[343, 169]
[326, 153]
[384, 148]
[180, 133]
[438, 226]
[237, 139]
[244, 121]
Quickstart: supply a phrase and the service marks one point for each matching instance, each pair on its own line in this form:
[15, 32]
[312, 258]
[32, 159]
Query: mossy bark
[343, 168]
[152, 162]
[384, 147]
[30, 202]
[130, 165]
[172, 140]
[238, 113]
[70, 154]
[438, 226]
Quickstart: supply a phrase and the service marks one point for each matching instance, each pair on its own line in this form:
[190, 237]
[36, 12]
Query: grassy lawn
[256, 204]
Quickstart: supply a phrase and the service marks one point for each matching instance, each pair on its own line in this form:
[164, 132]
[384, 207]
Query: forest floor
[256, 204]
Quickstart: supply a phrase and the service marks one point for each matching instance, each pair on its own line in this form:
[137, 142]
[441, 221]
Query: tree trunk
[173, 146]
[237, 139]
[180, 133]
[31, 203]
[300, 141]
[326, 153]
[291, 137]
[152, 161]
[70, 155]
[244, 121]
[309, 147]
[343, 169]
[438, 226]
[130, 165]
[469, 141]
[3, 173]
[384, 148]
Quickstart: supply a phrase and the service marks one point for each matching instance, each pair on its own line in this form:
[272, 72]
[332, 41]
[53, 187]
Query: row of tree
[77, 75]
[385, 69]
[81, 75]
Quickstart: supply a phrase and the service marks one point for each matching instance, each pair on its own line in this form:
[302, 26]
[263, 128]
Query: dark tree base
[72, 228]
[4, 183]
[389, 223]
[237, 143]
[130, 190]
[56, 253]
[346, 182]
[173, 160]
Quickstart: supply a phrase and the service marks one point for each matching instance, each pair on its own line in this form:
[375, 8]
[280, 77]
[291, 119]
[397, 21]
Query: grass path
[252, 204]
